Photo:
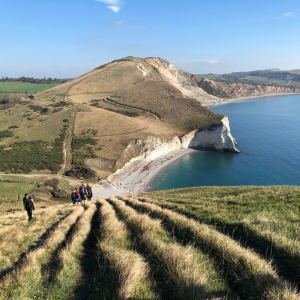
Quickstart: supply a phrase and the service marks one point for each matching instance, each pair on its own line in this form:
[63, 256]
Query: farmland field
[22, 87]
[199, 243]
[11, 187]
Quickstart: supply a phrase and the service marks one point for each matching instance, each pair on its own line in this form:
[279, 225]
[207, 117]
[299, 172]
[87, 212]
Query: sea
[267, 131]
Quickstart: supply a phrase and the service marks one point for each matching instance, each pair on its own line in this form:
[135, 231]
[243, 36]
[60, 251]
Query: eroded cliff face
[238, 90]
[178, 78]
[218, 137]
[206, 91]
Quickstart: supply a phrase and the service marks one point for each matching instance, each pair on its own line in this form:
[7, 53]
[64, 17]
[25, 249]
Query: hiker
[82, 191]
[76, 196]
[73, 197]
[89, 192]
[28, 205]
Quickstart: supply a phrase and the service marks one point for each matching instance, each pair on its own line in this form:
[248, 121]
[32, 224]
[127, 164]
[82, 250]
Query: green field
[23, 87]
[12, 186]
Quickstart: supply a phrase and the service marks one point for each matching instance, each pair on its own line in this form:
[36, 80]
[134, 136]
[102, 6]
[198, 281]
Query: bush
[32, 155]
[78, 143]
[6, 133]
[80, 172]
[60, 194]
[52, 182]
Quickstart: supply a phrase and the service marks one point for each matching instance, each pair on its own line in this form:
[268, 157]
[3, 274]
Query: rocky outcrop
[217, 137]
[178, 78]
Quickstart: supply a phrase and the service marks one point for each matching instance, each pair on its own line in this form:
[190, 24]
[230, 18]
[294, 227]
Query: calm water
[267, 131]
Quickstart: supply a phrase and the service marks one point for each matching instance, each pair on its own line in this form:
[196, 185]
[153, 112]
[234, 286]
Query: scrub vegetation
[195, 243]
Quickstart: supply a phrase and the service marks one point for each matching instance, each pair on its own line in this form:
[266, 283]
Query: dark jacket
[27, 202]
[89, 191]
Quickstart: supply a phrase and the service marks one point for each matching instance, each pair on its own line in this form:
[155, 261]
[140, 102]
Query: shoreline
[137, 176]
[249, 97]
[148, 184]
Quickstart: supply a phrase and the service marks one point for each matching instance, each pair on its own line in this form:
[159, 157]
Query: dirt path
[71, 181]
[156, 117]
[65, 156]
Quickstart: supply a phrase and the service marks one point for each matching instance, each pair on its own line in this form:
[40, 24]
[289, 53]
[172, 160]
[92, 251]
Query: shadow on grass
[246, 238]
[287, 266]
[38, 244]
[51, 270]
[159, 272]
[97, 280]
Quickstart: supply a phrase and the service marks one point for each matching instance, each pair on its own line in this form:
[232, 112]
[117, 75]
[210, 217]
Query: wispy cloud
[285, 15]
[119, 22]
[114, 5]
[207, 61]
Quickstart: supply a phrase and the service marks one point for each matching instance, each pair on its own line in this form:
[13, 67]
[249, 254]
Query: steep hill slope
[118, 112]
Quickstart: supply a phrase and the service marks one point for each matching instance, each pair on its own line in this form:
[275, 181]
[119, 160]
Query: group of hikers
[82, 194]
[78, 195]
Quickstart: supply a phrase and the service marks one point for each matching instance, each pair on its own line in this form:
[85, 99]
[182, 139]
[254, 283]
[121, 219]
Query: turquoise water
[267, 131]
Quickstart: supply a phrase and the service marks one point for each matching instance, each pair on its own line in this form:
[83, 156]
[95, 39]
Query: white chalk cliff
[218, 137]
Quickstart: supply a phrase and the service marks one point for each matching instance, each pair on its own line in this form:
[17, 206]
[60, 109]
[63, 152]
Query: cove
[267, 131]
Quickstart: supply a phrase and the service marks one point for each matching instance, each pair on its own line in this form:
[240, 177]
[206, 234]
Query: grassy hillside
[168, 104]
[262, 77]
[79, 128]
[22, 87]
[196, 243]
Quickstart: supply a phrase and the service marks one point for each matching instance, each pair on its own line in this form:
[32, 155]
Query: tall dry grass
[26, 281]
[281, 237]
[253, 277]
[20, 238]
[63, 278]
[127, 266]
[20, 219]
[186, 272]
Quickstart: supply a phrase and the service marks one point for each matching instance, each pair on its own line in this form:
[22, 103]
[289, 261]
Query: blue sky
[64, 38]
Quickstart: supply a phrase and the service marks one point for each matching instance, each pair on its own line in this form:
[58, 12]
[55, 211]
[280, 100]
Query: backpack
[77, 196]
[82, 190]
[73, 196]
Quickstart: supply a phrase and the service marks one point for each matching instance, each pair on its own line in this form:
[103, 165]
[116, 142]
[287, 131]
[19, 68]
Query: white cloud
[114, 8]
[114, 5]
[211, 61]
[119, 22]
[285, 15]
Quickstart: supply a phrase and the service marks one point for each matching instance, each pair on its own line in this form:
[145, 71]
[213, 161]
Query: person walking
[28, 205]
[82, 191]
[73, 197]
[76, 197]
[89, 192]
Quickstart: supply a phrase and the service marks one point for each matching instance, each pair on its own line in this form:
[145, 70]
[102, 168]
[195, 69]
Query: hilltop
[127, 109]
